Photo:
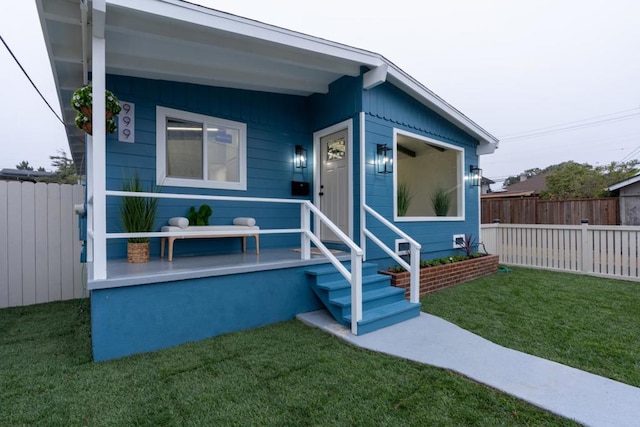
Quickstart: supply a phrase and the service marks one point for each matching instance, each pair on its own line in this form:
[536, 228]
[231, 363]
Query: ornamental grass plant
[138, 213]
[440, 200]
[404, 198]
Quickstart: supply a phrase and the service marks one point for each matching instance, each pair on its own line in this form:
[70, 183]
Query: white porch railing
[599, 250]
[413, 267]
[354, 277]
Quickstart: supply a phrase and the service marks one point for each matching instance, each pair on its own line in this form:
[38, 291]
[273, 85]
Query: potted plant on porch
[138, 215]
[82, 102]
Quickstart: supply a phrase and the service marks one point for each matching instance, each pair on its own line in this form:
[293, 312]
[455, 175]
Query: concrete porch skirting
[141, 318]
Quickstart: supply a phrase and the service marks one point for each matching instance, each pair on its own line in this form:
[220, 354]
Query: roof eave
[200, 15]
[624, 183]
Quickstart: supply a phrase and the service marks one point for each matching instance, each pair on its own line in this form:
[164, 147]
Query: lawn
[586, 322]
[284, 374]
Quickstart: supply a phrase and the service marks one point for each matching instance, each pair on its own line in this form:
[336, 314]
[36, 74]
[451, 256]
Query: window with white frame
[194, 150]
[429, 179]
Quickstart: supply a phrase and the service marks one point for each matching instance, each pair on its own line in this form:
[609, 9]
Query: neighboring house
[24, 175]
[245, 102]
[486, 185]
[628, 192]
[527, 187]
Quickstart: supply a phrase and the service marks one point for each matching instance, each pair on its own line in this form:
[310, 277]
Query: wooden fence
[609, 251]
[39, 246]
[532, 210]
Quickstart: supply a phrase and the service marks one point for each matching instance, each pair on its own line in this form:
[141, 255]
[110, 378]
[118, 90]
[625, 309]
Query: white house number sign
[126, 122]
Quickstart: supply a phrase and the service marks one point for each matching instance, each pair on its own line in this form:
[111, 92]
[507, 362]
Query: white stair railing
[413, 267]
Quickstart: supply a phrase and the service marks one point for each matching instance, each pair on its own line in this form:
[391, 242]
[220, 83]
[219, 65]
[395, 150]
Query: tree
[528, 173]
[65, 170]
[24, 166]
[571, 180]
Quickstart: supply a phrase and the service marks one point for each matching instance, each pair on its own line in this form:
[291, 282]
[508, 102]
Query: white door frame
[347, 124]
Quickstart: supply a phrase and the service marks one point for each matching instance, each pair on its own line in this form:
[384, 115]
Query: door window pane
[336, 150]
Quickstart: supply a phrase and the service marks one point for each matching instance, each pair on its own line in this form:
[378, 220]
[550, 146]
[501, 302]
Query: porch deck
[122, 273]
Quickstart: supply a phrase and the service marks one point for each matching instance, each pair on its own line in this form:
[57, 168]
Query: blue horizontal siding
[387, 108]
[275, 124]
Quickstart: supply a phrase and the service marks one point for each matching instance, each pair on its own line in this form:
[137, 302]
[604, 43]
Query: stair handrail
[355, 276]
[413, 267]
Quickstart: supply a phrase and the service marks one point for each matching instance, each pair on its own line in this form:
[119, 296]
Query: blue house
[344, 161]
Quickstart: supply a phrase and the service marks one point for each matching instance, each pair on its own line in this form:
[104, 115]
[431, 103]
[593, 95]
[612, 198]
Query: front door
[334, 183]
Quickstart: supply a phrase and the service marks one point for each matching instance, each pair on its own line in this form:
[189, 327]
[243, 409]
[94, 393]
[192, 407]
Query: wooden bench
[213, 232]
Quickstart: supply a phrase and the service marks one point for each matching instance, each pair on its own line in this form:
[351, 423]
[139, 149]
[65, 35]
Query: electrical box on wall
[299, 188]
[458, 241]
[402, 247]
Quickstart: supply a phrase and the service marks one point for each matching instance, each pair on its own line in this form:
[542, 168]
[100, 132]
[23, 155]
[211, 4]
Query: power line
[631, 154]
[568, 123]
[31, 81]
[574, 127]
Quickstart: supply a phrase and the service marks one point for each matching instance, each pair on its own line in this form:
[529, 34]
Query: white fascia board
[410, 85]
[483, 149]
[211, 18]
[375, 77]
[624, 183]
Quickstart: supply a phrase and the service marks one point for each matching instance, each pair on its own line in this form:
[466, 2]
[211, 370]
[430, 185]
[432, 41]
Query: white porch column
[363, 187]
[89, 180]
[98, 173]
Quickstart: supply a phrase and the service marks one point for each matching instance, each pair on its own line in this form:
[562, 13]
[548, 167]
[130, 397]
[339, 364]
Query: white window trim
[161, 150]
[461, 179]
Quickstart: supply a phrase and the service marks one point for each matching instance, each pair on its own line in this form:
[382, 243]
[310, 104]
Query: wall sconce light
[384, 160]
[475, 176]
[300, 158]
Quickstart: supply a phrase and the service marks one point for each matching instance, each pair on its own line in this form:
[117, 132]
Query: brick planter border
[444, 276]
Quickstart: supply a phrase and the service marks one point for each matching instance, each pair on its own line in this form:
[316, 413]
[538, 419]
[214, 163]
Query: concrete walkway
[586, 398]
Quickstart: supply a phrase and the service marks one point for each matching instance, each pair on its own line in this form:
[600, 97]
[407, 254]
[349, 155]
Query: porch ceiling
[180, 41]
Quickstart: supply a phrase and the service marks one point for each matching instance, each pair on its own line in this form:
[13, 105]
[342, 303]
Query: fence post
[584, 236]
[491, 238]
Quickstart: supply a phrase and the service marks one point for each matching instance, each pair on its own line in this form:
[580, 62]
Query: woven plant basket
[87, 111]
[88, 128]
[138, 252]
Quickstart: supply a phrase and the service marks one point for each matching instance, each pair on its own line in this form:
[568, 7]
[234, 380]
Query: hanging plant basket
[87, 127]
[82, 102]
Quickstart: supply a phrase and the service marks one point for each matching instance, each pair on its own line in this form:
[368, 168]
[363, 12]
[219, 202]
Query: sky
[553, 80]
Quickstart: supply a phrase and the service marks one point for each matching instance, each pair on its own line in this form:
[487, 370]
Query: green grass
[284, 374]
[586, 322]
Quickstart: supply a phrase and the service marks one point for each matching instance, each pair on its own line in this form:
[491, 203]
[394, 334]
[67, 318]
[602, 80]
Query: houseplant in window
[82, 103]
[404, 198]
[138, 215]
[440, 200]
